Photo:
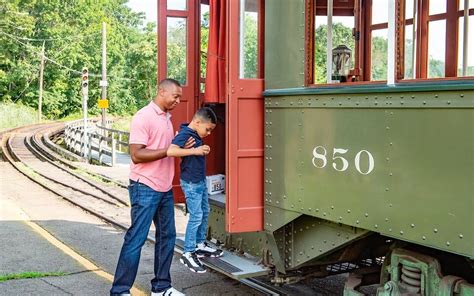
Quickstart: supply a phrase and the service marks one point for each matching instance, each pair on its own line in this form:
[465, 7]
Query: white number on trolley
[320, 156]
[340, 163]
[357, 162]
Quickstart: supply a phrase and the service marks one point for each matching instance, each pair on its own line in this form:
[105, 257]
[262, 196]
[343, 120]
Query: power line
[13, 37]
[49, 39]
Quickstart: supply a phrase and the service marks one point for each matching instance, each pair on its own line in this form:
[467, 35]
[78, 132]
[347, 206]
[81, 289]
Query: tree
[73, 40]
[341, 35]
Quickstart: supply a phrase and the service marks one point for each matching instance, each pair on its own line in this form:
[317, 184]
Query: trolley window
[348, 40]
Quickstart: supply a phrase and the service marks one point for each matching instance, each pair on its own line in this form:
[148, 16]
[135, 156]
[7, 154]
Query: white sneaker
[170, 292]
[191, 261]
[206, 250]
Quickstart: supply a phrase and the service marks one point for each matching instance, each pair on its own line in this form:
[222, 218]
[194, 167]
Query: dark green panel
[284, 43]
[421, 186]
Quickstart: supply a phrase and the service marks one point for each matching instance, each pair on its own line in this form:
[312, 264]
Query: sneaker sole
[209, 256]
[191, 267]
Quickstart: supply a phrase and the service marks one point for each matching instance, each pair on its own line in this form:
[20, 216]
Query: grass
[122, 123]
[14, 115]
[28, 275]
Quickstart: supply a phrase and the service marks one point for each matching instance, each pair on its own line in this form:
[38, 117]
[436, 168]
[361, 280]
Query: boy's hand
[202, 150]
[189, 143]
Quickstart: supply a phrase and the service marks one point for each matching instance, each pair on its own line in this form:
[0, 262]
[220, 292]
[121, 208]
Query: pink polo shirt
[152, 127]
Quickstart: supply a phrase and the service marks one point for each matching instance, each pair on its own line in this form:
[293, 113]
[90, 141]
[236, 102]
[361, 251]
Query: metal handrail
[116, 134]
[74, 135]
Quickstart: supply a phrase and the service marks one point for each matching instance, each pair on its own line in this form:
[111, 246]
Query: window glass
[341, 35]
[379, 11]
[410, 50]
[410, 39]
[409, 8]
[176, 4]
[437, 6]
[436, 48]
[461, 4]
[204, 41]
[379, 48]
[470, 38]
[248, 54]
[176, 49]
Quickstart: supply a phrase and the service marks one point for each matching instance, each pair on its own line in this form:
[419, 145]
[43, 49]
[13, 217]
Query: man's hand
[189, 143]
[202, 150]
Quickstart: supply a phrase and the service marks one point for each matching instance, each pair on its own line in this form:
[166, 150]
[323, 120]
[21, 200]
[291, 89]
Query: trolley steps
[235, 266]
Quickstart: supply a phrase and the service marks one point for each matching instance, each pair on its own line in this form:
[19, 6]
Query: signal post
[85, 95]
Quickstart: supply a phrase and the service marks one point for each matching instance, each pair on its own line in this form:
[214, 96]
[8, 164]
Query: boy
[193, 183]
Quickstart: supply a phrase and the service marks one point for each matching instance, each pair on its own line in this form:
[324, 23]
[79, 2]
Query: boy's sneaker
[191, 261]
[170, 292]
[205, 250]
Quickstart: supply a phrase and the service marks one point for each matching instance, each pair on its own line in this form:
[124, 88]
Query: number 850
[320, 159]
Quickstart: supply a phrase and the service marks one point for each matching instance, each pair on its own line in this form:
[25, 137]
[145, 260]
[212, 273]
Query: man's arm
[140, 154]
[176, 151]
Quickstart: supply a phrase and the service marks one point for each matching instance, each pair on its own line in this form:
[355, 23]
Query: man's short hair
[206, 114]
[168, 82]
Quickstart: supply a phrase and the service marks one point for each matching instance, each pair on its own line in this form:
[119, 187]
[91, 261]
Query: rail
[120, 136]
[99, 141]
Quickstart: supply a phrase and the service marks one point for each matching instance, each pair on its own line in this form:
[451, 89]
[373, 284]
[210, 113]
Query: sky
[147, 6]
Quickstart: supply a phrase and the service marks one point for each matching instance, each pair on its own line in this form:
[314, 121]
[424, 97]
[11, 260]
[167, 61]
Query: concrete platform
[92, 239]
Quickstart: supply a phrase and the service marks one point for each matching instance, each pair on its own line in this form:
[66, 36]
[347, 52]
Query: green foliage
[250, 45]
[340, 35]
[378, 69]
[176, 50]
[73, 39]
[13, 115]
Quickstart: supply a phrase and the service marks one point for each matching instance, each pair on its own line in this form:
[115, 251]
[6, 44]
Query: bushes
[13, 115]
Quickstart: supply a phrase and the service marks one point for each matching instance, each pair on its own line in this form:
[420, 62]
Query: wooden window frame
[362, 55]
[451, 16]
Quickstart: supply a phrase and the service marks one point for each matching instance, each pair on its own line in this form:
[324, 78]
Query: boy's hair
[167, 82]
[207, 114]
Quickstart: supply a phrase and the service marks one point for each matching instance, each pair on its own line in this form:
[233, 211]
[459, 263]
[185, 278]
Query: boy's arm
[176, 151]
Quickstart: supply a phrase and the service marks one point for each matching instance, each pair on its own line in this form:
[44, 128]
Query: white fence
[100, 143]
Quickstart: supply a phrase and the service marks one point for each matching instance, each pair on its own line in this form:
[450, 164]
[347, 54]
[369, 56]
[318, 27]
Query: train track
[27, 151]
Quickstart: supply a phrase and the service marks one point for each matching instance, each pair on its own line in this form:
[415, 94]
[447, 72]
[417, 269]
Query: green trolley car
[345, 134]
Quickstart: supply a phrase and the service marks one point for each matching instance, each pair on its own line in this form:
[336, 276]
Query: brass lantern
[341, 62]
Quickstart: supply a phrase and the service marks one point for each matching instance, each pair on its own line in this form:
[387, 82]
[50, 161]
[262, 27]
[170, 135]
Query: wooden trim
[309, 42]
[437, 17]
[400, 41]
[408, 22]
[367, 41]
[437, 79]
[451, 53]
[379, 26]
[177, 13]
[161, 36]
[423, 29]
[345, 84]
[460, 13]
[261, 40]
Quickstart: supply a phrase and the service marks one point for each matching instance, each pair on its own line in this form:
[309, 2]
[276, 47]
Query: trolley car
[345, 135]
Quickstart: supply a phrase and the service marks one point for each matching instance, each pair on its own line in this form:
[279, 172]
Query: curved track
[27, 150]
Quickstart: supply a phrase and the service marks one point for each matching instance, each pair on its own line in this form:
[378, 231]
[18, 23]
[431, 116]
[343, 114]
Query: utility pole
[40, 99]
[103, 82]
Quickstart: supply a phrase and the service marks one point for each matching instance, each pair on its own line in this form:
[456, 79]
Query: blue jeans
[198, 207]
[147, 205]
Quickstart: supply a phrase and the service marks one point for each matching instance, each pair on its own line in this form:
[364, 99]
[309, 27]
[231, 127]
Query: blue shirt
[193, 167]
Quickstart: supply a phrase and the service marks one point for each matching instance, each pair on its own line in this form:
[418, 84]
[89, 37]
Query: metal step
[230, 264]
[217, 200]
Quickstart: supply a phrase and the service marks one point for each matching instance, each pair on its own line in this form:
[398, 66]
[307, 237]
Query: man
[151, 196]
